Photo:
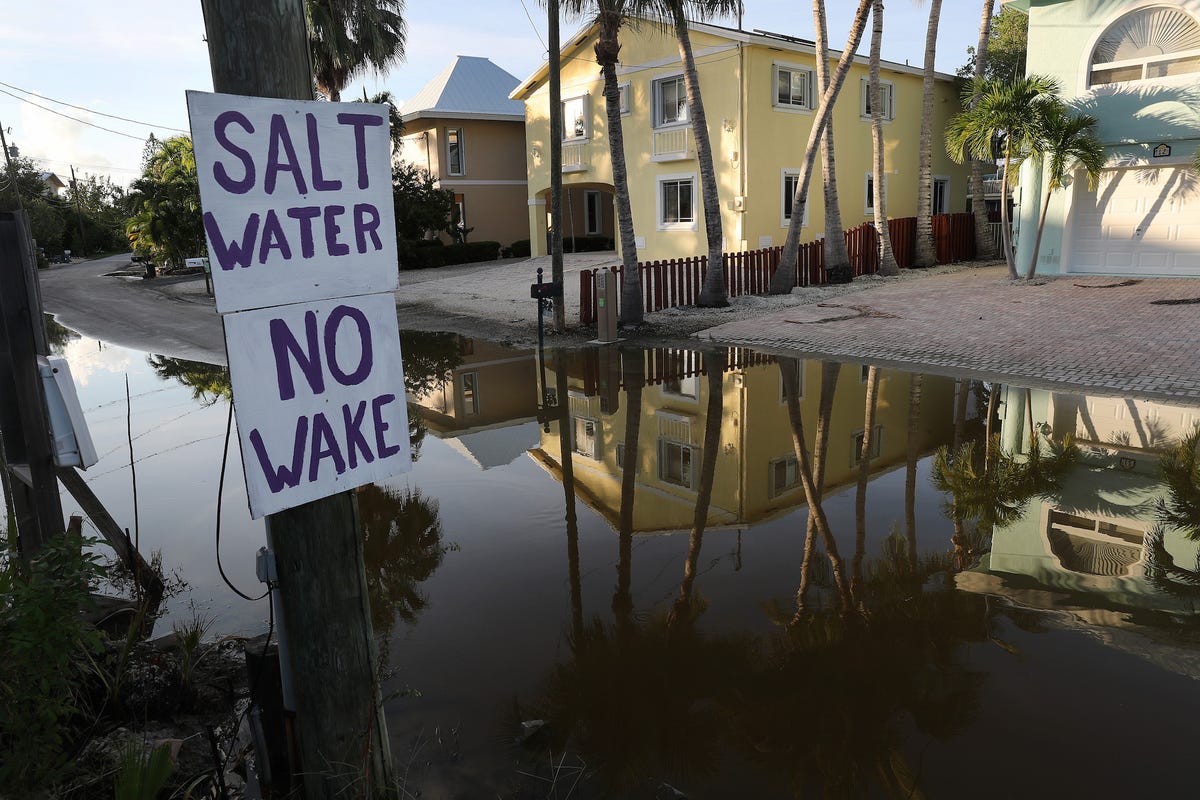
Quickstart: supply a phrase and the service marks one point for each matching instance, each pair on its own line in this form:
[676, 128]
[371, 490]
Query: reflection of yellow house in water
[756, 473]
[1088, 539]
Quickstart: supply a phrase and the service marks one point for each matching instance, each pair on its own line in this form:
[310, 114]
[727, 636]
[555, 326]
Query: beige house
[464, 129]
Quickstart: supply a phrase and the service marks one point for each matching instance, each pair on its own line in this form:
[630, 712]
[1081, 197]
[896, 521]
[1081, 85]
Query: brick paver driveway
[1069, 332]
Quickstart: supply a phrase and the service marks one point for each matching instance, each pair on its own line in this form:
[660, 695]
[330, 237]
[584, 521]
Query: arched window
[1154, 42]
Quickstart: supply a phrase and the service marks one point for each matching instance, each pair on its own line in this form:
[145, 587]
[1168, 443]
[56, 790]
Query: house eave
[434, 113]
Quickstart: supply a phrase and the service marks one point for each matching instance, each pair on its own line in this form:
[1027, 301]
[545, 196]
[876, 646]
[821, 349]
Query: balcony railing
[575, 157]
[674, 144]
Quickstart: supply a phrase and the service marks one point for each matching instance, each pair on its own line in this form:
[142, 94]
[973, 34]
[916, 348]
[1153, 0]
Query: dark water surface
[1048, 649]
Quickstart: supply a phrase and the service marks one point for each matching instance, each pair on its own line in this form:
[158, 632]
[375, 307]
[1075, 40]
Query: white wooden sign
[319, 395]
[297, 198]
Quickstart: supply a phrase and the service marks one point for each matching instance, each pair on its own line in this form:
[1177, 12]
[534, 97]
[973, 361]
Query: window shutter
[891, 107]
[864, 92]
[813, 101]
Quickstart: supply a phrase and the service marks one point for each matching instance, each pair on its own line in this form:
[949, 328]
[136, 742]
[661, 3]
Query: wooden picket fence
[677, 282]
[668, 364]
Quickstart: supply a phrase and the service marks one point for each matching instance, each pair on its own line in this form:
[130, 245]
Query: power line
[68, 116]
[536, 32]
[92, 110]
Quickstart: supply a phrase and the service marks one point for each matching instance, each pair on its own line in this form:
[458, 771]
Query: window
[584, 440]
[799, 366]
[574, 112]
[456, 159]
[670, 102]
[793, 88]
[791, 178]
[784, 475]
[676, 202]
[621, 459]
[887, 99]
[869, 206]
[941, 195]
[470, 393]
[864, 373]
[876, 445]
[593, 212]
[681, 387]
[459, 218]
[1154, 42]
[675, 463]
[626, 100]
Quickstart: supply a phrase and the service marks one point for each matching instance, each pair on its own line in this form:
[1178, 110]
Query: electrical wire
[68, 116]
[220, 486]
[92, 110]
[533, 25]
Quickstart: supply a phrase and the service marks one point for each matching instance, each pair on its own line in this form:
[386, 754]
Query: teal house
[1135, 66]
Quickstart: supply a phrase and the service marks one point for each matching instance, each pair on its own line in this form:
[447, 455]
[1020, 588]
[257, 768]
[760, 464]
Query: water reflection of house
[756, 471]
[486, 407]
[1088, 539]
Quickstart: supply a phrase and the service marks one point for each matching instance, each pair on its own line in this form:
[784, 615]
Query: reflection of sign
[297, 198]
[1162, 151]
[318, 389]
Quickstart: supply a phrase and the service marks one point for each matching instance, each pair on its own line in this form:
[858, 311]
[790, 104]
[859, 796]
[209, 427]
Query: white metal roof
[470, 87]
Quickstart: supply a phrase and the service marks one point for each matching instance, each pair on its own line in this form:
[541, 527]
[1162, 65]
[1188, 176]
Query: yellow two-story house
[760, 96]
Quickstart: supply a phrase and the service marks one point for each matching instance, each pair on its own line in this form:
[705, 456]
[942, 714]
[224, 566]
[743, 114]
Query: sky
[135, 59]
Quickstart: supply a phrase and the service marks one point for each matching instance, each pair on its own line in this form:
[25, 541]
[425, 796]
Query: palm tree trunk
[712, 293]
[633, 372]
[960, 412]
[925, 256]
[985, 246]
[1005, 225]
[785, 272]
[887, 261]
[556, 135]
[993, 394]
[916, 382]
[567, 467]
[837, 260]
[608, 49]
[1037, 241]
[829, 378]
[864, 473]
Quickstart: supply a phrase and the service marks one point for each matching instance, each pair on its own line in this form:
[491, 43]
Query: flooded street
[555, 626]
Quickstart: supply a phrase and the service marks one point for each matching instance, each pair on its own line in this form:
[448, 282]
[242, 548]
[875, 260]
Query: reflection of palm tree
[208, 382]
[916, 379]
[864, 472]
[829, 379]
[402, 546]
[633, 369]
[1180, 470]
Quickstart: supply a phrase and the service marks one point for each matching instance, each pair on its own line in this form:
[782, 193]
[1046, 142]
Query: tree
[785, 272]
[350, 37]
[1065, 143]
[870, 406]
[985, 246]
[887, 261]
[1009, 111]
[829, 378]
[167, 224]
[1005, 47]
[713, 293]
[395, 123]
[916, 380]
[926, 255]
[837, 260]
[421, 207]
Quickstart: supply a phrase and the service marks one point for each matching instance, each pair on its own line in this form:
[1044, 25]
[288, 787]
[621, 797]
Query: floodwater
[554, 630]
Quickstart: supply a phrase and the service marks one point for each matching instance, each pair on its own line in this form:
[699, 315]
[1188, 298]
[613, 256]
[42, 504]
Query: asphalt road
[127, 312]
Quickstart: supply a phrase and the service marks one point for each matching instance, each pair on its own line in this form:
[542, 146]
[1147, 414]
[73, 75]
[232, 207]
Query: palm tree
[887, 261]
[1067, 142]
[633, 374]
[829, 378]
[610, 16]
[916, 381]
[712, 293]
[1005, 110]
[785, 272]
[926, 255]
[395, 123]
[837, 260]
[556, 135]
[870, 405]
[350, 37]
[985, 246]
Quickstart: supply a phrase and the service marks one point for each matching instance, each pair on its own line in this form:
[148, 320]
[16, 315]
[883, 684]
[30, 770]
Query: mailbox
[545, 291]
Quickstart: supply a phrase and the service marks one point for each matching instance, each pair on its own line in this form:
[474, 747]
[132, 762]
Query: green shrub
[423, 254]
[586, 244]
[521, 248]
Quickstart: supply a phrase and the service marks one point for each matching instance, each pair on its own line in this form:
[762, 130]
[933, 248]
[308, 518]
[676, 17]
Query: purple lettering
[324, 445]
[384, 449]
[281, 138]
[227, 183]
[332, 229]
[314, 153]
[306, 214]
[273, 238]
[363, 226]
[355, 441]
[361, 122]
[232, 253]
[283, 343]
[366, 358]
[278, 478]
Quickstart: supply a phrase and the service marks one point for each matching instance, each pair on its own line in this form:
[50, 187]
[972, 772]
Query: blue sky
[135, 59]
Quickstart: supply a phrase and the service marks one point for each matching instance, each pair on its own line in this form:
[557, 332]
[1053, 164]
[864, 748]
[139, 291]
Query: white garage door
[1140, 221]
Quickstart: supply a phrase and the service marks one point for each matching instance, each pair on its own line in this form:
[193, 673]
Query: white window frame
[801, 365]
[663, 225]
[462, 153]
[889, 113]
[691, 381]
[784, 219]
[625, 95]
[569, 134]
[688, 481]
[808, 105]
[657, 106]
[856, 446]
[945, 180]
[774, 491]
[592, 196]
[594, 452]
[472, 409]
[869, 194]
[1089, 65]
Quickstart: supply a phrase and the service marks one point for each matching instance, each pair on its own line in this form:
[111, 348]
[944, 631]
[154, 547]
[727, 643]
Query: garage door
[1139, 221]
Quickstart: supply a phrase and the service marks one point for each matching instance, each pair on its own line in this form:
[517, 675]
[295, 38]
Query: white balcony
[575, 157]
[673, 144]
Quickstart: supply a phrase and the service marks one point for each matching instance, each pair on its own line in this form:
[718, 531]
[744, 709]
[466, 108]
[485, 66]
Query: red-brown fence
[677, 281]
[667, 365]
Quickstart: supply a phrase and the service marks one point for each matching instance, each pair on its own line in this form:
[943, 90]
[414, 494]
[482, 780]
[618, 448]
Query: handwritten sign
[319, 396]
[297, 198]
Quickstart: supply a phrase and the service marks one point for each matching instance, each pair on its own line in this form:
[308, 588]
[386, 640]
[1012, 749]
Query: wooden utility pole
[556, 136]
[79, 212]
[260, 48]
[12, 172]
